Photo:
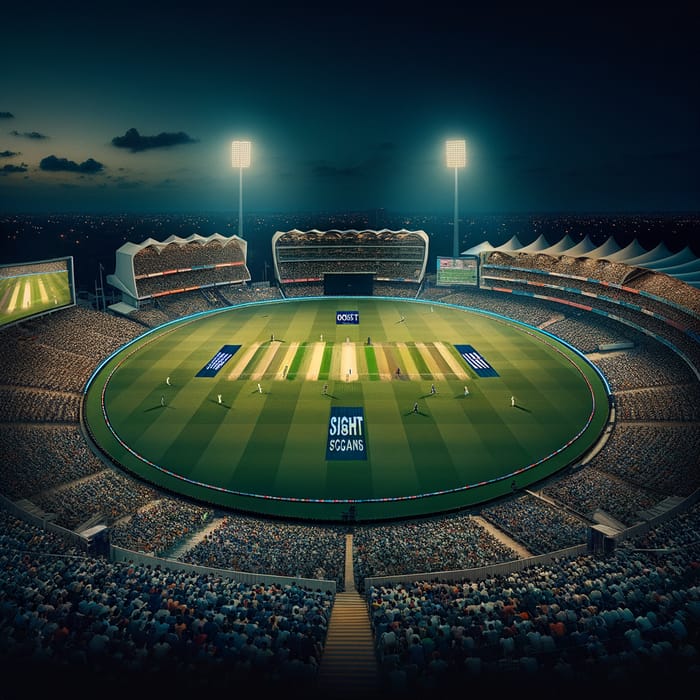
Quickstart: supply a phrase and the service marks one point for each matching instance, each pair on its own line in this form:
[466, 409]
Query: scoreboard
[457, 271]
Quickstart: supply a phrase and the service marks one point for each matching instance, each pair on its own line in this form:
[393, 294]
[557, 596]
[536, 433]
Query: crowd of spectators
[588, 490]
[534, 314]
[587, 268]
[37, 457]
[648, 364]
[404, 290]
[394, 289]
[307, 255]
[589, 622]
[93, 624]
[588, 334]
[536, 524]
[150, 316]
[30, 404]
[303, 289]
[59, 352]
[243, 543]
[315, 269]
[189, 279]
[157, 258]
[675, 402]
[53, 607]
[160, 310]
[663, 308]
[660, 457]
[33, 268]
[669, 288]
[425, 545]
[107, 494]
[675, 334]
[159, 526]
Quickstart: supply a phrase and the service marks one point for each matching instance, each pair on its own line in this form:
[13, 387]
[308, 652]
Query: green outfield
[27, 295]
[296, 415]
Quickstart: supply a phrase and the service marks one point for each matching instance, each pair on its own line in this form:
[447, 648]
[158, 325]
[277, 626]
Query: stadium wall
[117, 554]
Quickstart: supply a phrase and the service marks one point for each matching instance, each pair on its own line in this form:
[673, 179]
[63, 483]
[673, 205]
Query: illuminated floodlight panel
[240, 154]
[456, 154]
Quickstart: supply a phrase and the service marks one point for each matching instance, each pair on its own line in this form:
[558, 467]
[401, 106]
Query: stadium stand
[516, 591]
[303, 260]
[152, 269]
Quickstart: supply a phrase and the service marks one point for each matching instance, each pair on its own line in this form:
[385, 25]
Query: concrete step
[349, 663]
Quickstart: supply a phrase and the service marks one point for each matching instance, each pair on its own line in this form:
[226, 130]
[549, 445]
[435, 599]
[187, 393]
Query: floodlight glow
[240, 154]
[240, 158]
[456, 154]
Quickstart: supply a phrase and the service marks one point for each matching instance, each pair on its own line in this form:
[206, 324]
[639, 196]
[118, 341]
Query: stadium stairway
[661, 508]
[349, 663]
[183, 547]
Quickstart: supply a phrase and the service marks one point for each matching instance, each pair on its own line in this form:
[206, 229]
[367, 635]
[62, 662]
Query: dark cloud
[8, 154]
[28, 134]
[55, 164]
[135, 142]
[9, 168]
[6, 115]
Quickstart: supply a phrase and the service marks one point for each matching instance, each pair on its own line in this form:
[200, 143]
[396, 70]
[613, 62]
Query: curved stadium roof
[683, 265]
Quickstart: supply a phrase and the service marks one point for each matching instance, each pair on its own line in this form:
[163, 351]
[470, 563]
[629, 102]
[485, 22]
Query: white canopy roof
[683, 265]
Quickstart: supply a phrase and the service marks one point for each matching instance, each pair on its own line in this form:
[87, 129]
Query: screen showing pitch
[30, 289]
[456, 271]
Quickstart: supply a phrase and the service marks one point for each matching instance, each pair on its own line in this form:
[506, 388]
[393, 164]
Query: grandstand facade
[580, 258]
[154, 269]
[306, 259]
[654, 303]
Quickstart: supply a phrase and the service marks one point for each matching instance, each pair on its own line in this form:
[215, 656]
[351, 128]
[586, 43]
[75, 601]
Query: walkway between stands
[349, 663]
[501, 536]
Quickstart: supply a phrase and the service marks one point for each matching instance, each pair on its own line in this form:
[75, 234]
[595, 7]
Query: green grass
[372, 368]
[266, 452]
[326, 362]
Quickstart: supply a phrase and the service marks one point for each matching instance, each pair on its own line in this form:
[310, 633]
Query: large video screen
[457, 271]
[34, 288]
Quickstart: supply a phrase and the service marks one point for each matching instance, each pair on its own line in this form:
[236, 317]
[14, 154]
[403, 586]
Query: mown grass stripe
[249, 369]
[296, 362]
[372, 367]
[419, 361]
[324, 372]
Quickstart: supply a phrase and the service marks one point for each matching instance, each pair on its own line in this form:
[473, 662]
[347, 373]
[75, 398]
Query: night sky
[129, 108]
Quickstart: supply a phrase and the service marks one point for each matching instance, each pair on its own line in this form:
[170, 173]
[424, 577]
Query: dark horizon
[93, 238]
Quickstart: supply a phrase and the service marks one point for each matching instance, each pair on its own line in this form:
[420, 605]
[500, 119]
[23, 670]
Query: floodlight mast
[240, 158]
[456, 151]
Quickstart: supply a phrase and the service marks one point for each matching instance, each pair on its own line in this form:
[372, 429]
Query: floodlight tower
[240, 158]
[456, 152]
